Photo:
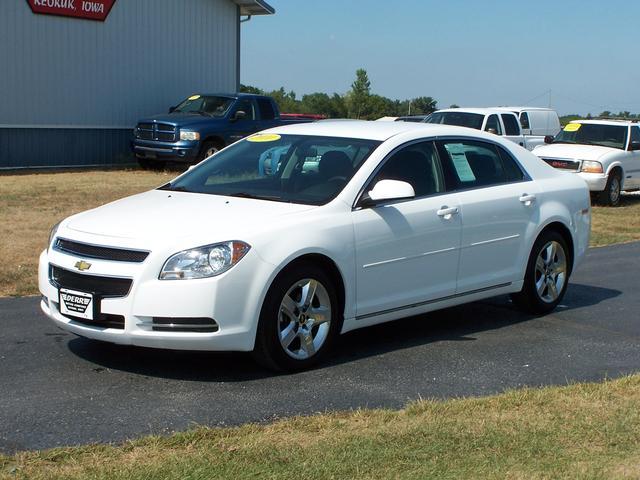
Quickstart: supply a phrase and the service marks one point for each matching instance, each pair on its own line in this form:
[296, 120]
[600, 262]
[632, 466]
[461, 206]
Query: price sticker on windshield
[264, 137]
[572, 127]
[194, 97]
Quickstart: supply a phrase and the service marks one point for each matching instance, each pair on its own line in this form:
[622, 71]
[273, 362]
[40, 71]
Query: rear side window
[476, 164]
[524, 120]
[635, 134]
[266, 109]
[493, 124]
[510, 124]
[416, 164]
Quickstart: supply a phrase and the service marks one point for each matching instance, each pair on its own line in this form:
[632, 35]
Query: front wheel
[547, 275]
[208, 149]
[298, 321]
[611, 194]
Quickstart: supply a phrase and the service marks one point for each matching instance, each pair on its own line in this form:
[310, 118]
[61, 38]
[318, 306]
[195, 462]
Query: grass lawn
[579, 431]
[30, 204]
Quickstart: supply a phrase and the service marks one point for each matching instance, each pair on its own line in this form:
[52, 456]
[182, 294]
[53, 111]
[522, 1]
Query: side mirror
[385, 190]
[634, 145]
[549, 138]
[172, 109]
[239, 115]
[491, 130]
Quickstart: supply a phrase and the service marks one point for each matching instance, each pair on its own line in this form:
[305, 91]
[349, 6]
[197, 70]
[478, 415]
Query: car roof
[610, 121]
[520, 109]
[370, 130]
[479, 110]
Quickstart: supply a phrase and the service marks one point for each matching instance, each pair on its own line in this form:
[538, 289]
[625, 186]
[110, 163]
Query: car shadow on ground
[452, 324]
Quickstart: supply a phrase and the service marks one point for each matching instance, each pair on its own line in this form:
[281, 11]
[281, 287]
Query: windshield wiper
[251, 195]
[170, 187]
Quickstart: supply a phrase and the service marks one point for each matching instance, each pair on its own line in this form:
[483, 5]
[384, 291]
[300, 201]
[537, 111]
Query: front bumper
[232, 299]
[176, 152]
[596, 182]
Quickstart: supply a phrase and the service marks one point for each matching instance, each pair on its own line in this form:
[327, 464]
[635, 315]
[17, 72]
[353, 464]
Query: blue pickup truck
[201, 125]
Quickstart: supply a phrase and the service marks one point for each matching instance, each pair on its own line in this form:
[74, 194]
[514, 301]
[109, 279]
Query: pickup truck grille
[163, 132]
[562, 164]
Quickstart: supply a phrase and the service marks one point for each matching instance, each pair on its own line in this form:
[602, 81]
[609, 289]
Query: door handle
[527, 199]
[447, 212]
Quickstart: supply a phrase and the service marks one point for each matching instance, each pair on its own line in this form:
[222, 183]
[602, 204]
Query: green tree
[423, 106]
[250, 89]
[358, 97]
[605, 114]
[453, 105]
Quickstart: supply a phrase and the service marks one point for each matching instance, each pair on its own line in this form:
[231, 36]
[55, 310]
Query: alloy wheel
[551, 271]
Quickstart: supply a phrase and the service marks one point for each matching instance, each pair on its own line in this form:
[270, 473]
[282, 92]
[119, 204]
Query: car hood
[180, 119]
[159, 214]
[568, 150]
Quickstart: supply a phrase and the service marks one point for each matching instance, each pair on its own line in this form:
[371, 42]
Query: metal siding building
[72, 89]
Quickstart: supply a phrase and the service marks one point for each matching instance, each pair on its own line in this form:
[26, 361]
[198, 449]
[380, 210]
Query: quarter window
[416, 164]
[476, 164]
[510, 124]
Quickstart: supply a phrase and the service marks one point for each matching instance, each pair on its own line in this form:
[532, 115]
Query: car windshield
[285, 168]
[211, 105]
[614, 136]
[461, 119]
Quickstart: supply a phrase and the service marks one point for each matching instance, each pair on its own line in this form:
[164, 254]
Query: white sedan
[285, 239]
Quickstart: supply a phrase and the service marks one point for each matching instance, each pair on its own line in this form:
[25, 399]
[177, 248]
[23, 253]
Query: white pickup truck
[606, 153]
[504, 121]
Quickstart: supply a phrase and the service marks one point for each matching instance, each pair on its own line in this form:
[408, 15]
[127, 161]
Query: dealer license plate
[76, 304]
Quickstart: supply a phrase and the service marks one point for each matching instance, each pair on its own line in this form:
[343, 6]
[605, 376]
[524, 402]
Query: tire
[208, 149]
[547, 275]
[610, 196]
[299, 320]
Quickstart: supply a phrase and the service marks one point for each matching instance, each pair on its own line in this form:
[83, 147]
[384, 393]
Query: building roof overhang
[254, 7]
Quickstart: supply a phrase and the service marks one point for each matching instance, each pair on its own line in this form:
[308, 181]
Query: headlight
[52, 234]
[203, 262]
[189, 135]
[590, 166]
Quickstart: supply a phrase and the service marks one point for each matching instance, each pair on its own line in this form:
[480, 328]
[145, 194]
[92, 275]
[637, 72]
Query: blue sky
[586, 53]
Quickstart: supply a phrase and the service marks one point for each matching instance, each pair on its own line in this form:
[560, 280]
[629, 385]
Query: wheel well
[331, 269]
[217, 140]
[566, 235]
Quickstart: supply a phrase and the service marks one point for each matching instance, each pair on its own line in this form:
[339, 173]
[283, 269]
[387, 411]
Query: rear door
[499, 210]
[632, 161]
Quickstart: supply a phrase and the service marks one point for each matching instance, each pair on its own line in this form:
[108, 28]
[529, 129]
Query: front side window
[247, 107]
[493, 125]
[524, 120]
[635, 134]
[510, 124]
[213, 106]
[476, 164]
[460, 119]
[614, 136]
[416, 164]
[285, 168]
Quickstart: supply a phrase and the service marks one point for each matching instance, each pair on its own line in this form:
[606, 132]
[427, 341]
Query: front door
[407, 251]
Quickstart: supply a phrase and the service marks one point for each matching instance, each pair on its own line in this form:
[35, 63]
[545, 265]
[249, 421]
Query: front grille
[164, 132]
[184, 324]
[97, 285]
[563, 164]
[99, 252]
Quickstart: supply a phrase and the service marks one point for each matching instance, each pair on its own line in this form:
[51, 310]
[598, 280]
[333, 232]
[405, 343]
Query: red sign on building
[88, 9]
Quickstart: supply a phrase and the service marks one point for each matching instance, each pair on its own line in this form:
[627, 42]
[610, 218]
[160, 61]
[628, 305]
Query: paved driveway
[58, 389]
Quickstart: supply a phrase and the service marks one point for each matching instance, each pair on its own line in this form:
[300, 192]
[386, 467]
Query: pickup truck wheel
[299, 319]
[611, 194]
[547, 275]
[208, 149]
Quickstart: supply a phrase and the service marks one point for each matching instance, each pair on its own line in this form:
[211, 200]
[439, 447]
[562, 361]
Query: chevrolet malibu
[284, 240]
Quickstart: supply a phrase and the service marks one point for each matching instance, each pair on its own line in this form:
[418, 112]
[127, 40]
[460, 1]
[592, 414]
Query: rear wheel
[611, 194]
[547, 275]
[299, 319]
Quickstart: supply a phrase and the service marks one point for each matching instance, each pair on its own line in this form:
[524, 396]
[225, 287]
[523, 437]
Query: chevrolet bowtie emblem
[82, 265]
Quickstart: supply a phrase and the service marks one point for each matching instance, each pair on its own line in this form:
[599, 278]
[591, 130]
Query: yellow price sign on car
[264, 137]
[572, 127]
[194, 97]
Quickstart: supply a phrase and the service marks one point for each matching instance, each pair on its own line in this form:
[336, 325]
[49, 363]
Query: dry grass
[30, 204]
[579, 431]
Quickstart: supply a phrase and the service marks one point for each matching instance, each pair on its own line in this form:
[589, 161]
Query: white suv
[606, 153]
